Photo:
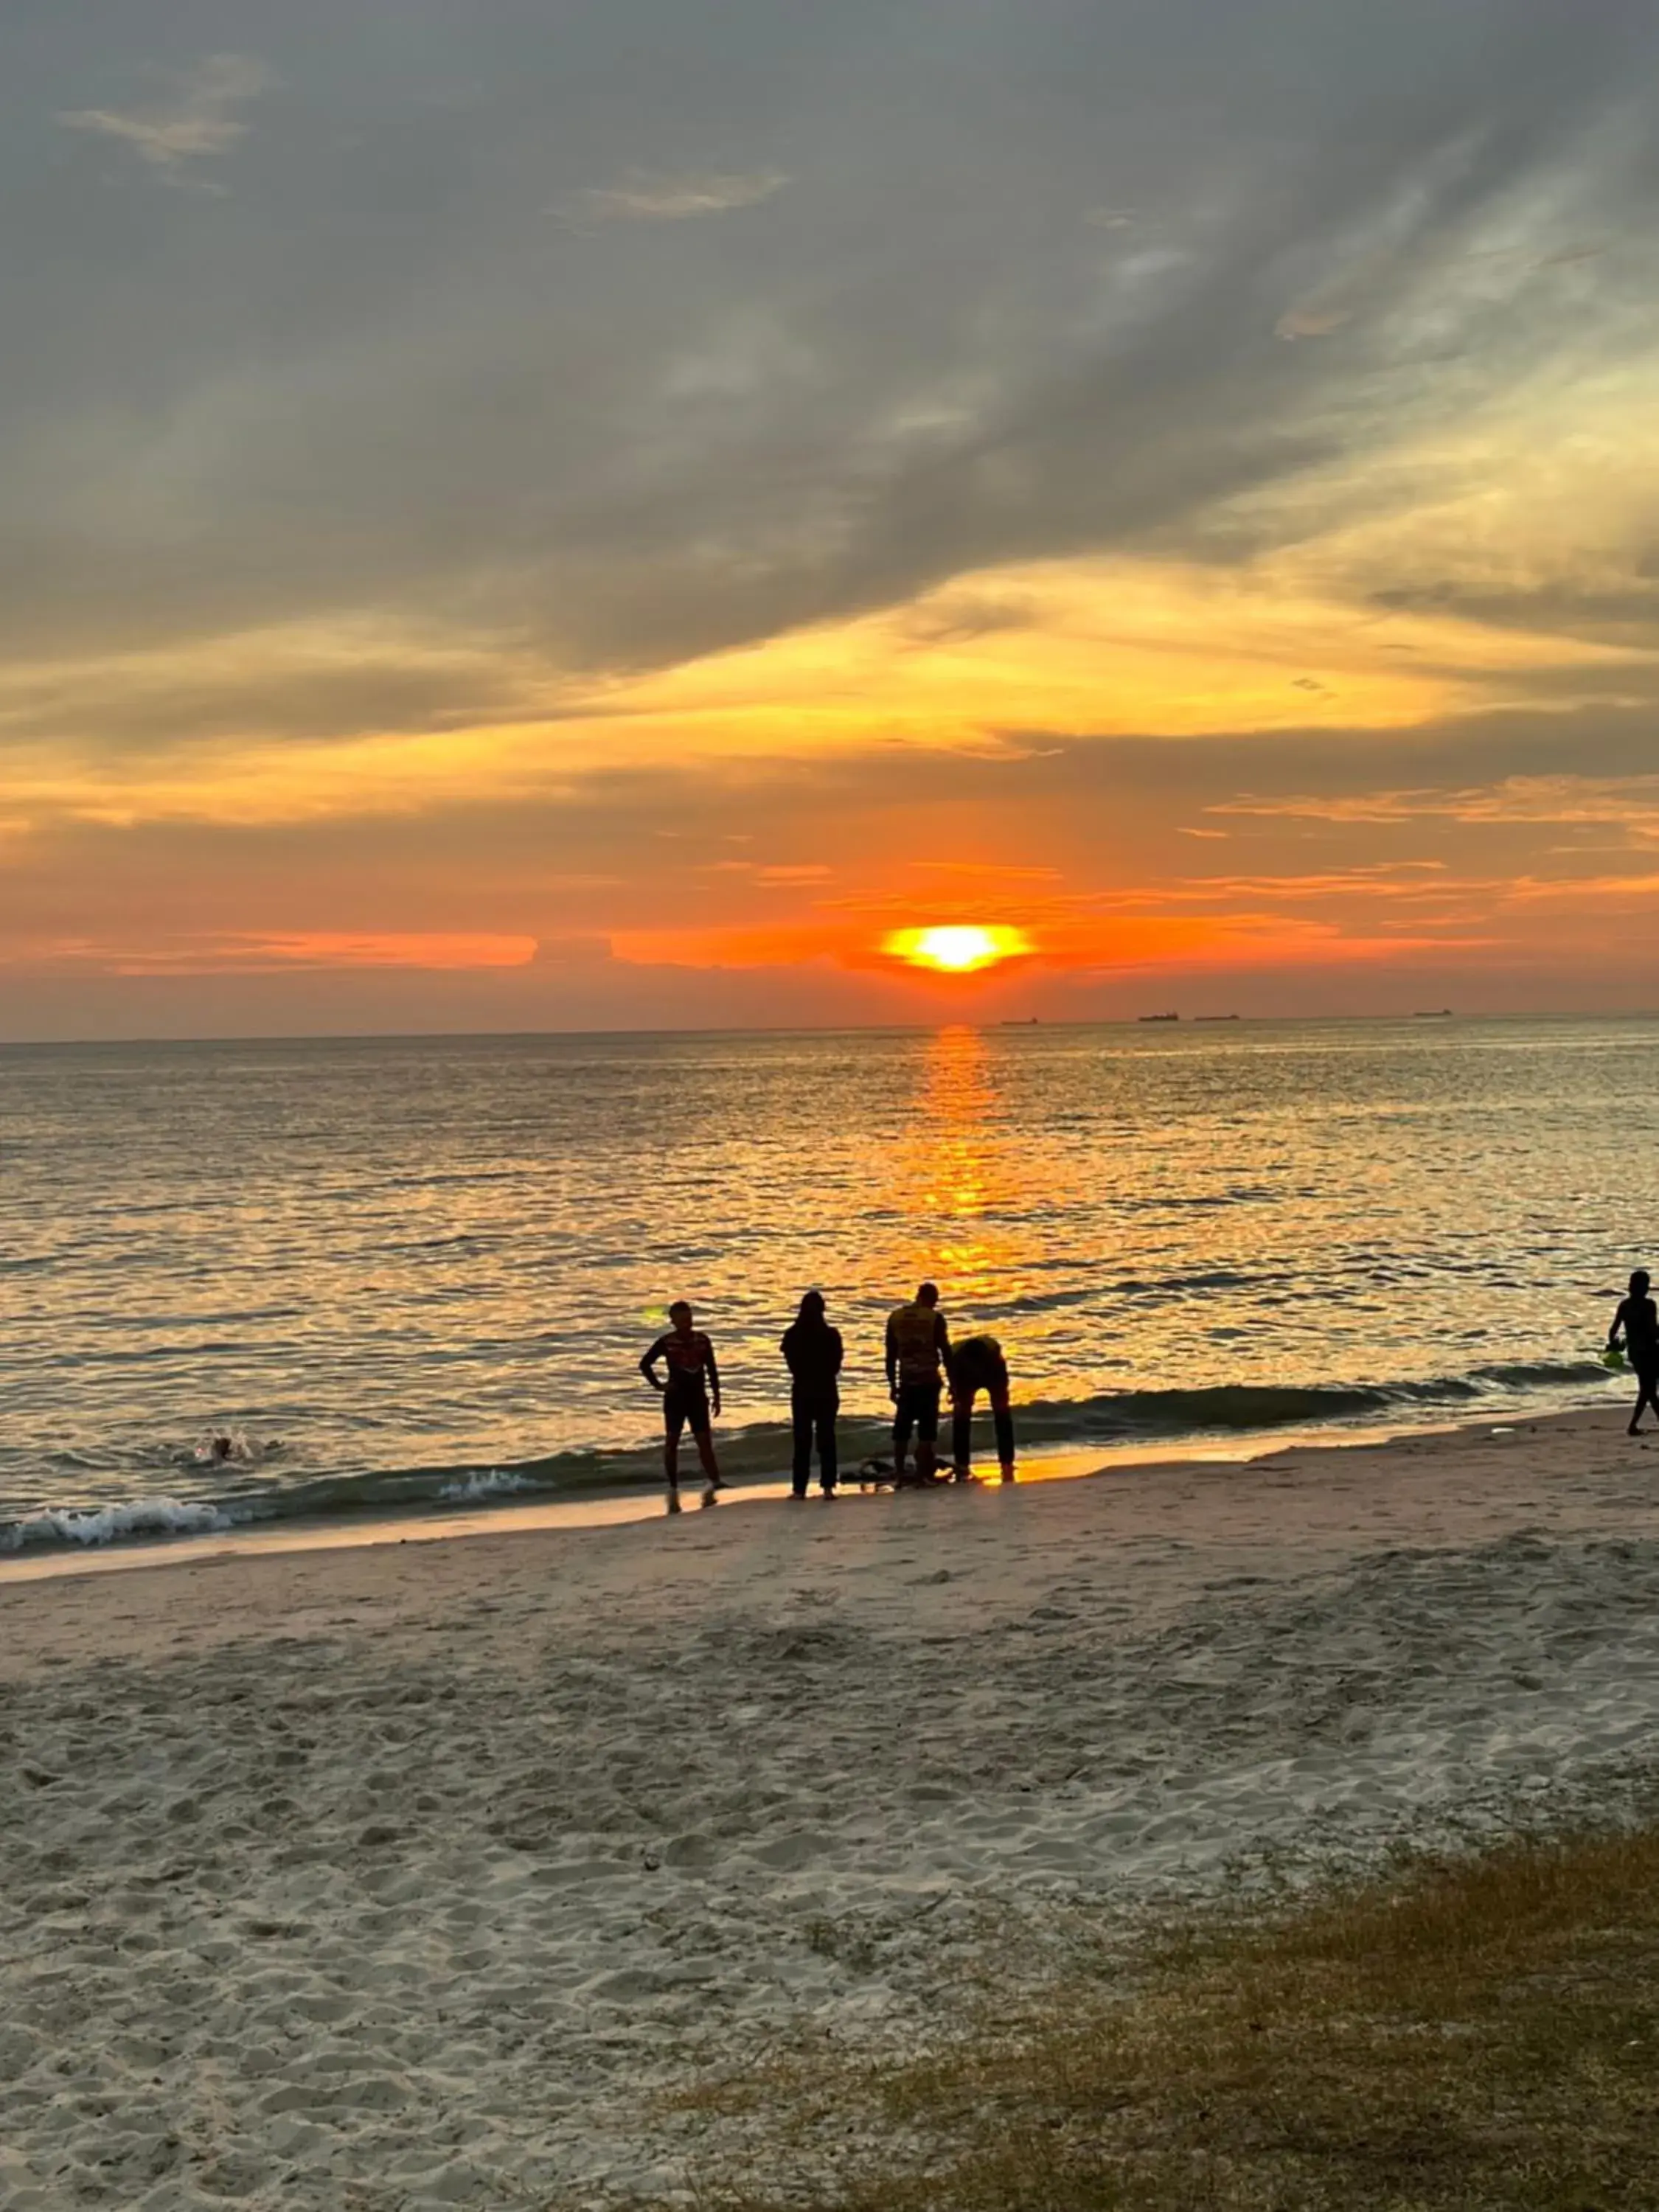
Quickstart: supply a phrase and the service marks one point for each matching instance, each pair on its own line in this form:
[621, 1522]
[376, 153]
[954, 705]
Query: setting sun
[959, 948]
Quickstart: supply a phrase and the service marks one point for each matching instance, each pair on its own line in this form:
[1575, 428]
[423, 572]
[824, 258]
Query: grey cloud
[644, 197]
[380, 378]
[1346, 769]
[1628, 615]
[200, 116]
[100, 711]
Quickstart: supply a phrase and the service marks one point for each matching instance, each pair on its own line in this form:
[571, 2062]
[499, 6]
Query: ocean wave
[762, 1450]
[481, 1483]
[109, 1524]
[1120, 1416]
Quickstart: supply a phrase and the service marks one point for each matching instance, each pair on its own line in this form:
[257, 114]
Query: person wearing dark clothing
[976, 1365]
[1638, 1322]
[917, 1346]
[812, 1351]
[692, 1380]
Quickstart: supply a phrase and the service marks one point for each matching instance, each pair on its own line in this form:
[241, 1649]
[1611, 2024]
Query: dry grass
[1472, 2036]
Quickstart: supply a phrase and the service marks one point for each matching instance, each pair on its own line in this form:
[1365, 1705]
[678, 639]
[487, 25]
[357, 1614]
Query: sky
[614, 514]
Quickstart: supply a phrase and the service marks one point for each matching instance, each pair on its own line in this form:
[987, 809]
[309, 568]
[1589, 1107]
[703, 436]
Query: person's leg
[828, 1469]
[801, 1414]
[1003, 1418]
[705, 1436]
[904, 1420]
[928, 1433]
[673, 1421]
[1647, 1394]
[962, 1431]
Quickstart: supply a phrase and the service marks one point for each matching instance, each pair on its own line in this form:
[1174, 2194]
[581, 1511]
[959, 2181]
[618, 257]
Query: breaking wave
[1111, 1419]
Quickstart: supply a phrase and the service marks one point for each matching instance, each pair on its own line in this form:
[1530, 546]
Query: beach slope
[413, 1875]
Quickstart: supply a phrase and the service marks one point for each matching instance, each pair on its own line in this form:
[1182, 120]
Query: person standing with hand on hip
[812, 1351]
[692, 1381]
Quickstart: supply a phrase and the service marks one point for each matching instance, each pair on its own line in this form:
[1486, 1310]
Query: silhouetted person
[692, 1381]
[918, 1344]
[976, 1363]
[1637, 1322]
[813, 1352]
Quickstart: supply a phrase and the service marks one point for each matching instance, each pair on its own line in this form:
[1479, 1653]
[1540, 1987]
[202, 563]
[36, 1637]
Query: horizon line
[1162, 1022]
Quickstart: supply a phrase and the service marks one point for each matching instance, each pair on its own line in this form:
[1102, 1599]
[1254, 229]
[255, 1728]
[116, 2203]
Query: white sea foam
[143, 1517]
[496, 1482]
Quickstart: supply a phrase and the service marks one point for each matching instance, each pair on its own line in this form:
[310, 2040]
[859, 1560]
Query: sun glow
[957, 948]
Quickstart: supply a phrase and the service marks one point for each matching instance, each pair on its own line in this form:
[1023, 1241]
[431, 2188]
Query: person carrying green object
[1637, 1324]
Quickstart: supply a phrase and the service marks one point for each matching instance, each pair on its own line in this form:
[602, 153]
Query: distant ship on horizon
[1158, 1017]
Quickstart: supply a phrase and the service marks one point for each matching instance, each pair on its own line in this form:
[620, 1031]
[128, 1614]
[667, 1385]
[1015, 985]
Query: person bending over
[1637, 1322]
[976, 1365]
[692, 1380]
[918, 1344]
[812, 1351]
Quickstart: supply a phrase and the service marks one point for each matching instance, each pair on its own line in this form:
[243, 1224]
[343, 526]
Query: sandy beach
[415, 1874]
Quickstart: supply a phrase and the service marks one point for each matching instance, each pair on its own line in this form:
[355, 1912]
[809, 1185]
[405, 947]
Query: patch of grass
[1470, 2036]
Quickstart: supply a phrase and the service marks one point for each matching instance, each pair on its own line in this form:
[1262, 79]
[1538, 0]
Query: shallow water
[403, 1273]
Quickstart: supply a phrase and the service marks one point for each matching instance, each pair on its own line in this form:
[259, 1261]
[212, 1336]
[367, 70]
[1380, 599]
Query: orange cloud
[1630, 803]
[275, 951]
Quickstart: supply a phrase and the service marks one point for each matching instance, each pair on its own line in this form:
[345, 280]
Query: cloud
[432, 908]
[202, 119]
[455, 407]
[644, 196]
[1312, 320]
[383, 514]
[277, 952]
[1629, 891]
[1628, 802]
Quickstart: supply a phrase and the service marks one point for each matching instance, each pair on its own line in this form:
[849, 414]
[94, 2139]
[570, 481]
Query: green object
[1613, 1361]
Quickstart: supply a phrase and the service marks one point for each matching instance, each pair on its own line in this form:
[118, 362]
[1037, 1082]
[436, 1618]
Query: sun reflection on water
[955, 1176]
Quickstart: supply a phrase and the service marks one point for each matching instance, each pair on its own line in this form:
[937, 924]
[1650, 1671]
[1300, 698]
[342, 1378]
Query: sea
[246, 1283]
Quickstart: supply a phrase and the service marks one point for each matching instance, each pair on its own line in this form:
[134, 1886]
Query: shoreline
[1317, 1485]
[636, 1503]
